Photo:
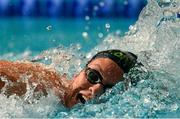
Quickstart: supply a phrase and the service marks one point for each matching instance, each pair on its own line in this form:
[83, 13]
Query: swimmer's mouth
[81, 98]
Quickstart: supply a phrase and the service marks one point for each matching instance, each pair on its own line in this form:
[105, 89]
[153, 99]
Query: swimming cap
[125, 60]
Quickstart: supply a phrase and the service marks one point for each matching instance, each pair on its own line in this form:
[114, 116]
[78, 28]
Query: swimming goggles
[94, 77]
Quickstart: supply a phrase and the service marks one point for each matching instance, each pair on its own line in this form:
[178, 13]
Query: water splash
[154, 38]
[107, 26]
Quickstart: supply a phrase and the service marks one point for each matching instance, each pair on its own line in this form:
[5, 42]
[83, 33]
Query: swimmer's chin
[70, 104]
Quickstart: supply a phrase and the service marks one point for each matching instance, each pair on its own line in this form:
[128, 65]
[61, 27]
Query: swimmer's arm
[16, 71]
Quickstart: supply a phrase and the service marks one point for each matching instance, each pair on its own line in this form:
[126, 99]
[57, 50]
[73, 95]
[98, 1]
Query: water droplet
[78, 46]
[174, 107]
[101, 4]
[146, 100]
[86, 28]
[132, 29]
[168, 14]
[100, 35]
[107, 25]
[125, 2]
[85, 35]
[96, 8]
[98, 28]
[174, 4]
[118, 32]
[164, 3]
[53, 40]
[87, 18]
[49, 28]
[89, 55]
[109, 40]
[46, 58]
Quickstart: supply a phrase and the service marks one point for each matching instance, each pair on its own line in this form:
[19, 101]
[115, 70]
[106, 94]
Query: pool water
[36, 35]
[154, 38]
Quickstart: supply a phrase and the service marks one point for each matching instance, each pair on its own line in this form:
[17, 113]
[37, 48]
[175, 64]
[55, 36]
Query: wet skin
[70, 92]
[110, 72]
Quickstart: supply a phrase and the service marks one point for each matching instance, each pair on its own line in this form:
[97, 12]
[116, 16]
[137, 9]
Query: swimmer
[103, 71]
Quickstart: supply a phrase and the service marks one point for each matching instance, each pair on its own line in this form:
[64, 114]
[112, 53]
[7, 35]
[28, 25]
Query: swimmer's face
[92, 81]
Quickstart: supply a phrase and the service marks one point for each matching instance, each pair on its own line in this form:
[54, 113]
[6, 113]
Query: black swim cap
[125, 60]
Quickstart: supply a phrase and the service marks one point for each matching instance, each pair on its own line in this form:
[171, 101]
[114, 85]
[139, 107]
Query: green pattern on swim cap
[125, 60]
[120, 55]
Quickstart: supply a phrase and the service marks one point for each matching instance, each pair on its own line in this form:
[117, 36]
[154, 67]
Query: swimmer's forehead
[103, 65]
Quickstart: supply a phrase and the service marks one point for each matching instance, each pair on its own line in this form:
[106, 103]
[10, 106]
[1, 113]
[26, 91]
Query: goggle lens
[93, 76]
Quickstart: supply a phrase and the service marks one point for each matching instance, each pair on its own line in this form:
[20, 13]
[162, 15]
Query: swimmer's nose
[91, 92]
[96, 90]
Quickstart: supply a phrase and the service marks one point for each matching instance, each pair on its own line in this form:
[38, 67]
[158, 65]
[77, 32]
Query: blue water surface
[36, 35]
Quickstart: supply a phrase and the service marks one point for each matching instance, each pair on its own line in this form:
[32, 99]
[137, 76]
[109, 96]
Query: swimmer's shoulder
[26, 66]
